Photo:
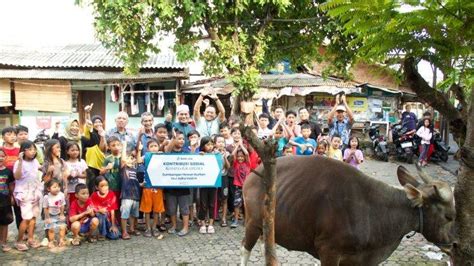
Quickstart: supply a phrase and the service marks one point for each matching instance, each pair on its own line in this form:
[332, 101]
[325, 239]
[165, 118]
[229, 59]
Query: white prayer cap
[182, 108]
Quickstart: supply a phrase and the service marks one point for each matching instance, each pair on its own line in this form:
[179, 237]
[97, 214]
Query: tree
[246, 37]
[404, 32]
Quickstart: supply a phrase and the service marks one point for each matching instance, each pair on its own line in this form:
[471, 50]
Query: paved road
[221, 248]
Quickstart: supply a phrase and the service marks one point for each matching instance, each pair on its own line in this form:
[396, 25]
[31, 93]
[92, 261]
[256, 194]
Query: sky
[36, 23]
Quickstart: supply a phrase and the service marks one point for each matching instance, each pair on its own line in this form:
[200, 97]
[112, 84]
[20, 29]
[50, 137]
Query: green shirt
[113, 175]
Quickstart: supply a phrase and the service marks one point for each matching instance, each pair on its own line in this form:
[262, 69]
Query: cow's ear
[414, 195]
[404, 177]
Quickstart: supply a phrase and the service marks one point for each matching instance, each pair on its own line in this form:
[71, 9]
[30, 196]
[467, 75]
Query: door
[88, 97]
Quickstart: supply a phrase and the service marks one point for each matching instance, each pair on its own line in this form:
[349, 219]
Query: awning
[5, 93]
[303, 91]
[43, 95]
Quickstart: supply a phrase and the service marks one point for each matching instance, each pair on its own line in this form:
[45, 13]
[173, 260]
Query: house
[39, 86]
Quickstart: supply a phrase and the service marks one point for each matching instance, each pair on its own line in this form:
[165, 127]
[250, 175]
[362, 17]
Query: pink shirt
[358, 155]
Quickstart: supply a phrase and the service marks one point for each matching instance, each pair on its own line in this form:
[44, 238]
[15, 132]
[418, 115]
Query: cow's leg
[328, 257]
[252, 233]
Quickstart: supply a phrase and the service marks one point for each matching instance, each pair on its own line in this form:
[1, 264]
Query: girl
[219, 141]
[54, 166]
[104, 204]
[425, 134]
[53, 206]
[6, 214]
[208, 196]
[77, 170]
[322, 148]
[28, 193]
[353, 155]
[241, 170]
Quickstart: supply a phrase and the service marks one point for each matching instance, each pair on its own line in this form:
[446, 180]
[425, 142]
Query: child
[22, 134]
[219, 141]
[193, 139]
[263, 130]
[177, 197]
[82, 216]
[334, 151]
[322, 148]
[11, 152]
[353, 155]
[6, 188]
[425, 134]
[53, 206]
[241, 170]
[152, 200]
[130, 193]
[54, 167]
[293, 128]
[28, 193]
[207, 196]
[104, 203]
[77, 169]
[161, 134]
[111, 166]
[224, 130]
[288, 150]
[304, 145]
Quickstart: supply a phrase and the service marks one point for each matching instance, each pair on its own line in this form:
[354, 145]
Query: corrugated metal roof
[77, 56]
[276, 81]
[87, 74]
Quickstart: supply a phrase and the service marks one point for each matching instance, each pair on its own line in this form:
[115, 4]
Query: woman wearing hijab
[71, 133]
[94, 145]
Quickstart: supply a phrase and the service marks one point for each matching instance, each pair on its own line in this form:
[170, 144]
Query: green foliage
[386, 31]
[246, 36]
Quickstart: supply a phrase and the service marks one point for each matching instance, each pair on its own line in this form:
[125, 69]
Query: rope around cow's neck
[420, 221]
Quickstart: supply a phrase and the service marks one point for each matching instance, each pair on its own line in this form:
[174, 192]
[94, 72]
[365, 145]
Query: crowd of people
[91, 182]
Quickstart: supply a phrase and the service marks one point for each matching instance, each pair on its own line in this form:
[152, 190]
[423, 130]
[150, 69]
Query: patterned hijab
[67, 132]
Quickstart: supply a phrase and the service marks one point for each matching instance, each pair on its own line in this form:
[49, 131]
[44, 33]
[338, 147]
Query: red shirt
[241, 171]
[109, 201]
[75, 209]
[254, 160]
[11, 157]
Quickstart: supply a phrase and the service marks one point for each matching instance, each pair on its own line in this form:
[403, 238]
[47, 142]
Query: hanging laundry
[161, 100]
[114, 93]
[134, 104]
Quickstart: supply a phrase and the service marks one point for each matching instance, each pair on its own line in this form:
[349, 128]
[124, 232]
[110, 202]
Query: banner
[168, 170]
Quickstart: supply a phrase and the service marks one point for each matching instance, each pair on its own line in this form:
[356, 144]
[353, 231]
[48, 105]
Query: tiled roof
[77, 56]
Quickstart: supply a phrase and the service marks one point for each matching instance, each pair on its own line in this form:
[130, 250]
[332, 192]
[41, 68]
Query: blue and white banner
[165, 170]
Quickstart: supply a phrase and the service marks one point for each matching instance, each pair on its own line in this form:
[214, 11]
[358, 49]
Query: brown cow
[343, 217]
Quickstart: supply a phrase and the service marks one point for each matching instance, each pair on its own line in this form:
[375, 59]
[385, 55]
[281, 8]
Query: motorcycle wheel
[385, 157]
[444, 156]
[409, 157]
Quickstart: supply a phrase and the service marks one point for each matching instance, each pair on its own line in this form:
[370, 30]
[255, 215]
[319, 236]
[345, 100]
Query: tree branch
[433, 97]
[260, 32]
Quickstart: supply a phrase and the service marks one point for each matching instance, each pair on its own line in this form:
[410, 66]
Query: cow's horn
[424, 176]
[444, 193]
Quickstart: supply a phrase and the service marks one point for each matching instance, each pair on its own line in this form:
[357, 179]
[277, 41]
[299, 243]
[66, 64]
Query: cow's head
[436, 199]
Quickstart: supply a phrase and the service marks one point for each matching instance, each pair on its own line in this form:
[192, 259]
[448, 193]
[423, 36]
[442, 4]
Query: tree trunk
[464, 197]
[267, 151]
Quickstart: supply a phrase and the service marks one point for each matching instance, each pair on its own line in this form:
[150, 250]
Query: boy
[152, 200]
[130, 192]
[22, 135]
[263, 130]
[304, 145]
[11, 152]
[281, 140]
[193, 140]
[111, 165]
[287, 150]
[334, 151]
[6, 188]
[179, 196]
[82, 216]
[161, 134]
[224, 129]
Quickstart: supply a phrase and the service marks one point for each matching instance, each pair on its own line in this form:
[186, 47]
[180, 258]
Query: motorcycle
[379, 143]
[40, 139]
[440, 149]
[404, 143]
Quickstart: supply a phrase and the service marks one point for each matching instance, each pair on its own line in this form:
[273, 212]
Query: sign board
[180, 170]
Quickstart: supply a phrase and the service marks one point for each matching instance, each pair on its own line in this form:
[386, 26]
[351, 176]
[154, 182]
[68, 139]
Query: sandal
[91, 239]
[135, 233]
[210, 229]
[62, 244]
[21, 247]
[76, 241]
[172, 231]
[224, 223]
[51, 244]
[33, 244]
[203, 230]
[6, 248]
[162, 228]
[101, 238]
[126, 236]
